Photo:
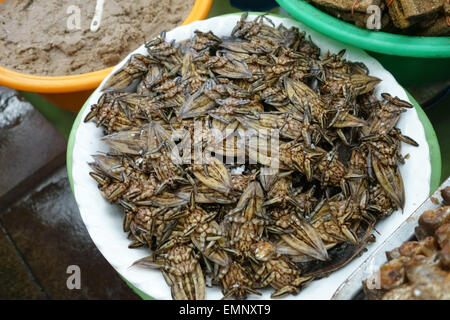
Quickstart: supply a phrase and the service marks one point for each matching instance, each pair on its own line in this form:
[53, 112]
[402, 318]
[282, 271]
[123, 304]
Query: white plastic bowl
[104, 221]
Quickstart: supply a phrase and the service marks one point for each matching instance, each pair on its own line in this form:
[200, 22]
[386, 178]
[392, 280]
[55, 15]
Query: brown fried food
[211, 201]
[418, 270]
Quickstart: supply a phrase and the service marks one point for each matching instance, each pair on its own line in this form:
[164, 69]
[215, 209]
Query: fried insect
[181, 270]
[277, 271]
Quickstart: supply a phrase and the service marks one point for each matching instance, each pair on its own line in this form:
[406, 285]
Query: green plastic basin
[412, 60]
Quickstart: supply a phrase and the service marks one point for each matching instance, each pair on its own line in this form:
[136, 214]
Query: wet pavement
[29, 146]
[41, 230]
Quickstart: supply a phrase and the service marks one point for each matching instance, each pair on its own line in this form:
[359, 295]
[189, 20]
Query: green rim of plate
[382, 42]
[430, 135]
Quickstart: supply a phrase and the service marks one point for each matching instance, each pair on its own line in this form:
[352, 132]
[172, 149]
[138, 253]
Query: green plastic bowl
[412, 60]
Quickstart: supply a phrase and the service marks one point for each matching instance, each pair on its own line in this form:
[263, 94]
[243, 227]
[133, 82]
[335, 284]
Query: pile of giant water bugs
[248, 226]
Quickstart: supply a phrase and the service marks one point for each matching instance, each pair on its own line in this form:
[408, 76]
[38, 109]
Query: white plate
[104, 221]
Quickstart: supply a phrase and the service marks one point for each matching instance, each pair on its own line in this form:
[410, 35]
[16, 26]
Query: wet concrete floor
[41, 230]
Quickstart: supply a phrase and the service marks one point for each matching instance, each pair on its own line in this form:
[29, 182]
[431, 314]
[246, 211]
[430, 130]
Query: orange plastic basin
[70, 92]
